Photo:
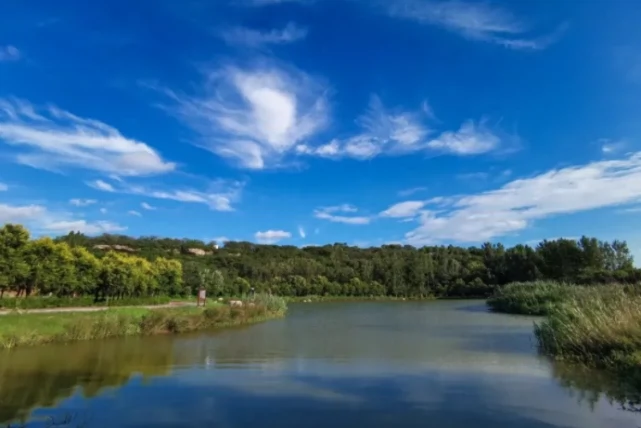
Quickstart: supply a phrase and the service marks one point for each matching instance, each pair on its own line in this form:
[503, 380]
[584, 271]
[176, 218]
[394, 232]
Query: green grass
[599, 326]
[33, 329]
[531, 298]
[41, 302]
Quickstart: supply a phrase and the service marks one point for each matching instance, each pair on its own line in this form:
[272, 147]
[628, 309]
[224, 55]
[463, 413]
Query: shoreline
[20, 330]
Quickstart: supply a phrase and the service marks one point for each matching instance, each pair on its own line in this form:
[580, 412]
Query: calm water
[439, 364]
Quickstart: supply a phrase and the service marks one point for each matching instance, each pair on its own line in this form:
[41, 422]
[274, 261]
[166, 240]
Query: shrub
[270, 302]
[530, 298]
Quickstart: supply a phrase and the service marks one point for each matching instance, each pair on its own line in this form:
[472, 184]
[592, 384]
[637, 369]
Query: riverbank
[315, 298]
[17, 330]
[599, 326]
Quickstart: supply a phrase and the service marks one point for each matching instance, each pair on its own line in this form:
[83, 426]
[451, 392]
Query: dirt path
[92, 308]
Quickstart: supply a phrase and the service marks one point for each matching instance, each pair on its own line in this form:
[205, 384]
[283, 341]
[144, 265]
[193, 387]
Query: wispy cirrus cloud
[101, 185]
[411, 191]
[336, 214]
[480, 21]
[301, 232]
[3, 187]
[519, 203]
[219, 196]
[147, 206]
[271, 2]
[134, 213]
[383, 132]
[471, 139]
[271, 236]
[404, 209]
[611, 147]
[53, 139]
[82, 202]
[393, 132]
[9, 53]
[40, 219]
[243, 36]
[254, 116]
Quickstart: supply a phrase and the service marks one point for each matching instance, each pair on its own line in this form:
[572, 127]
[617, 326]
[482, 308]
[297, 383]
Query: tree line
[57, 268]
[336, 270]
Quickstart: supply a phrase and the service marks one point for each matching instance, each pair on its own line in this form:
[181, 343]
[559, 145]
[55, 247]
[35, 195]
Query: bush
[530, 298]
[270, 302]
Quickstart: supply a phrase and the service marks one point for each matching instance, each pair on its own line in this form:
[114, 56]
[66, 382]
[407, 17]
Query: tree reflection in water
[590, 385]
[42, 376]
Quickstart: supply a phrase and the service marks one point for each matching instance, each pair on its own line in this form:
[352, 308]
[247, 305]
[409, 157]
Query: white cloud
[517, 204]
[386, 132]
[220, 196]
[470, 139]
[610, 147]
[3, 187]
[134, 213]
[82, 226]
[254, 116]
[82, 202]
[101, 185]
[254, 38]
[404, 209]
[51, 138]
[301, 232]
[269, 2]
[146, 206]
[383, 132]
[329, 214]
[103, 210]
[20, 214]
[473, 20]
[271, 236]
[41, 219]
[221, 239]
[411, 191]
[9, 53]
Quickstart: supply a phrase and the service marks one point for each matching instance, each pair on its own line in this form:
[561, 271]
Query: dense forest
[336, 270]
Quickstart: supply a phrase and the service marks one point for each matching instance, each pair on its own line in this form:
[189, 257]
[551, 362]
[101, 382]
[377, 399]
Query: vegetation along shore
[34, 329]
[597, 325]
[121, 267]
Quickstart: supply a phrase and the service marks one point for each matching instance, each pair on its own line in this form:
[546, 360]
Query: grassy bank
[531, 298]
[33, 329]
[599, 326]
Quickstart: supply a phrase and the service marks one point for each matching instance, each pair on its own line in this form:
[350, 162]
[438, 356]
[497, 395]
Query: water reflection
[340, 365]
[590, 386]
[42, 376]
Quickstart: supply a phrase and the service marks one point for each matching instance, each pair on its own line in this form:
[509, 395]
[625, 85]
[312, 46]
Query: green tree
[86, 271]
[51, 267]
[13, 266]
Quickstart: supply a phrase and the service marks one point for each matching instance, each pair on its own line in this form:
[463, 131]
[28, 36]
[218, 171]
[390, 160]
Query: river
[403, 364]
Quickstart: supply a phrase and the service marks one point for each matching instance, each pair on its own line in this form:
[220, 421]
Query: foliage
[270, 302]
[393, 271]
[599, 325]
[530, 298]
[56, 268]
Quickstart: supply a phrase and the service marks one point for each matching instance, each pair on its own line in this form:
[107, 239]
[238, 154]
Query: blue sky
[307, 122]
